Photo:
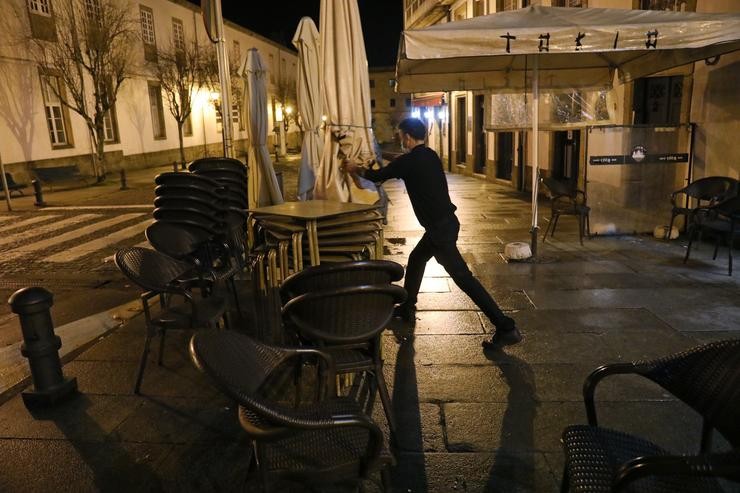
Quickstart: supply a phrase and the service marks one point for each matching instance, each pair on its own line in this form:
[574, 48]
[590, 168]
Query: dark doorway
[480, 136]
[521, 145]
[566, 153]
[504, 154]
[461, 137]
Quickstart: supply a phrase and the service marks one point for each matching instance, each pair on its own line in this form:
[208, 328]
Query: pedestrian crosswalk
[59, 238]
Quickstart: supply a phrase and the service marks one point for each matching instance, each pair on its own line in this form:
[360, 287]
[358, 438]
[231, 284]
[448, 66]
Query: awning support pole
[535, 150]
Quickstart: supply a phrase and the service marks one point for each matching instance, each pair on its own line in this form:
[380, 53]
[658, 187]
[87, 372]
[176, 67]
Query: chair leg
[716, 247]
[547, 229]
[581, 227]
[554, 224]
[160, 356]
[142, 362]
[565, 483]
[385, 398]
[670, 228]
[588, 227]
[730, 237]
[232, 283]
[692, 232]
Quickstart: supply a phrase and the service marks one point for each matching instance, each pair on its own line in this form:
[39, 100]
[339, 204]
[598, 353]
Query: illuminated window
[92, 10]
[157, 111]
[147, 26]
[178, 35]
[55, 118]
[39, 7]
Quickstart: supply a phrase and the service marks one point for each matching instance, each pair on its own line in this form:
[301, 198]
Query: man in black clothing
[421, 170]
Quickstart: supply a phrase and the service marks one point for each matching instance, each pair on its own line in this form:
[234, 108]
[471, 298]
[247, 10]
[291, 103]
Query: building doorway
[566, 154]
[479, 165]
[461, 133]
[504, 155]
[521, 166]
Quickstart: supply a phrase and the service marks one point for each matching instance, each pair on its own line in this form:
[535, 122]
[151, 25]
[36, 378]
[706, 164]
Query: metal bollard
[183, 165]
[38, 193]
[123, 180]
[174, 166]
[40, 346]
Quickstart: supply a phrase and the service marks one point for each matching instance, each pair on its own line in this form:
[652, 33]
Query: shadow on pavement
[511, 469]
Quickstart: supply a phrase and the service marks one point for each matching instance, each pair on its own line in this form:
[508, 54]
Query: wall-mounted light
[416, 113]
[286, 118]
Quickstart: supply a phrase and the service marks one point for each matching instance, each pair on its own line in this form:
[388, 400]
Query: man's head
[411, 131]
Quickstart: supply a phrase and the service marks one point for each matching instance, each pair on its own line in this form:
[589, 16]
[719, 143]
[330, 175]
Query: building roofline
[233, 25]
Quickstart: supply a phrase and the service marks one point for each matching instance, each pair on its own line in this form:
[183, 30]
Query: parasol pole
[535, 149]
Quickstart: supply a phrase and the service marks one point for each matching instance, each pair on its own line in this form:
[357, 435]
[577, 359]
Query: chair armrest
[331, 372]
[589, 385]
[725, 465]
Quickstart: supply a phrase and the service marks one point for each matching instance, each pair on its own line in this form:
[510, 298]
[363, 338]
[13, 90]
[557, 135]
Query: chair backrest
[345, 274]
[217, 163]
[149, 269]
[712, 188]
[185, 191]
[730, 208]
[186, 202]
[707, 378]
[187, 180]
[177, 240]
[559, 188]
[344, 315]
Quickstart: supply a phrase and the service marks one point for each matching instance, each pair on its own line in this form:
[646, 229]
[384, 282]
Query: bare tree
[91, 57]
[181, 71]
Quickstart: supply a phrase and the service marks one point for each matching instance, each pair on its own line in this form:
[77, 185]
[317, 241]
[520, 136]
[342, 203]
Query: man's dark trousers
[440, 241]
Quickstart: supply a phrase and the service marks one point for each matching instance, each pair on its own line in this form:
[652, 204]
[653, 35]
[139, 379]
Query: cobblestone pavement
[470, 421]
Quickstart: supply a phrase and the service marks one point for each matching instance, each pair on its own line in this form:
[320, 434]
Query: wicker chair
[346, 274]
[163, 276]
[705, 378]
[329, 441]
[347, 322]
[706, 192]
[723, 221]
[212, 259]
[566, 200]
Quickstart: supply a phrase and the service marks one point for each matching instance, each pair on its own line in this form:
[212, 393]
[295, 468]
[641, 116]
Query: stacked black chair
[172, 281]
[344, 308]
[194, 223]
[232, 177]
[320, 443]
[599, 459]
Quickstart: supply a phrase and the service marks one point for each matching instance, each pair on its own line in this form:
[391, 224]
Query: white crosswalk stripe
[81, 232]
[27, 222]
[98, 244]
[47, 228]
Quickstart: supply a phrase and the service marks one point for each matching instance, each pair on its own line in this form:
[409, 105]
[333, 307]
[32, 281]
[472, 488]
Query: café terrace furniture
[320, 443]
[566, 200]
[705, 378]
[340, 275]
[347, 322]
[721, 220]
[698, 196]
[314, 215]
[172, 281]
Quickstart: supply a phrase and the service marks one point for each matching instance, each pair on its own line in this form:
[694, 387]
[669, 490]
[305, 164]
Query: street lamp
[286, 118]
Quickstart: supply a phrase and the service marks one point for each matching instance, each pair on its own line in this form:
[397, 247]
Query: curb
[76, 337]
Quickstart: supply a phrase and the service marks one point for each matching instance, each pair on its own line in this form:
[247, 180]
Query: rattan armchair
[340, 275]
[567, 200]
[723, 221]
[705, 192]
[705, 378]
[172, 281]
[347, 322]
[321, 443]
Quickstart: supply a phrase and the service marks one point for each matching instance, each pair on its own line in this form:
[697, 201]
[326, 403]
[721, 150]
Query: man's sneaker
[506, 335]
[405, 312]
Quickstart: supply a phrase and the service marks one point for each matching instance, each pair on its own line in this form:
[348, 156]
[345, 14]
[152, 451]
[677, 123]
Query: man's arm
[393, 170]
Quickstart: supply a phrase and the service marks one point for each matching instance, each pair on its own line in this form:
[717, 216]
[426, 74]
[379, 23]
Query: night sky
[382, 22]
